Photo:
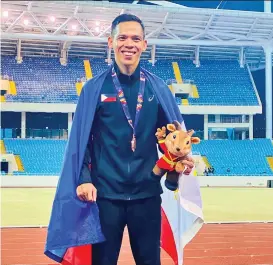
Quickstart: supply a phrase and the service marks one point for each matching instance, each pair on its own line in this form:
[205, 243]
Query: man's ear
[171, 127]
[145, 44]
[110, 42]
[195, 140]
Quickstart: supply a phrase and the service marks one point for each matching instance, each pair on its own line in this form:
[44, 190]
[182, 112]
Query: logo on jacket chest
[151, 97]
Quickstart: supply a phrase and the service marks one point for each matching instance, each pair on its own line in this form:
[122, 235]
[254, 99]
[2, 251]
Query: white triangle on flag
[103, 97]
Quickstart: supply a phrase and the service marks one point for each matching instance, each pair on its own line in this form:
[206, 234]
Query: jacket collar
[126, 79]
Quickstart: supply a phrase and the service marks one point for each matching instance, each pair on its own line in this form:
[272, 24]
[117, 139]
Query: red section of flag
[167, 238]
[110, 100]
[80, 255]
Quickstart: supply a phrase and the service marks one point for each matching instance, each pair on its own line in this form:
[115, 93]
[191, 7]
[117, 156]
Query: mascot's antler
[177, 125]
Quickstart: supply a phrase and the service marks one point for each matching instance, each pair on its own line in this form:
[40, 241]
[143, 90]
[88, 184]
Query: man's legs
[113, 220]
[144, 226]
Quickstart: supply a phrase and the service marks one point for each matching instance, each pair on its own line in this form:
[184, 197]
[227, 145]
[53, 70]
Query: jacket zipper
[129, 171]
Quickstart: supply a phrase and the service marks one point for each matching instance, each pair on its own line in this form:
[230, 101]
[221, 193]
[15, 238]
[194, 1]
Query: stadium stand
[98, 66]
[220, 83]
[237, 157]
[41, 157]
[6, 133]
[228, 157]
[45, 80]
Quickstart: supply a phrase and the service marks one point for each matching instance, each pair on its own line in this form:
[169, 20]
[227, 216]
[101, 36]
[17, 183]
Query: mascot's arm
[162, 146]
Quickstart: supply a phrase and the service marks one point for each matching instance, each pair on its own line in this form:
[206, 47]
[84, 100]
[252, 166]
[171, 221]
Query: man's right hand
[87, 192]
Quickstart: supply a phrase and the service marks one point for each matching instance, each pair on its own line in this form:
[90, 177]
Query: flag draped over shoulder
[74, 225]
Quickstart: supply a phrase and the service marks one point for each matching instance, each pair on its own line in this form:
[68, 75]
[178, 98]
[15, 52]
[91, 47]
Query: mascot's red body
[176, 147]
[168, 160]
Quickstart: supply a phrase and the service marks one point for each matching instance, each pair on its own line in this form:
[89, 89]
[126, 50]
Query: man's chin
[128, 63]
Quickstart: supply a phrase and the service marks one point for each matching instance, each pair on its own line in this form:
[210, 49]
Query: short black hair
[125, 18]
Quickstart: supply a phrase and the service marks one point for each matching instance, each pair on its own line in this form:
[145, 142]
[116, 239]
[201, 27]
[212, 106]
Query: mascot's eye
[188, 142]
[174, 136]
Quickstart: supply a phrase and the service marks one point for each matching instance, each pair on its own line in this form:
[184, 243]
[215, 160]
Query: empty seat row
[228, 157]
[46, 80]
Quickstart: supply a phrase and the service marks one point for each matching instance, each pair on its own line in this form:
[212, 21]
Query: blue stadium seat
[7, 133]
[241, 157]
[162, 68]
[98, 66]
[219, 83]
[38, 156]
[46, 80]
[43, 79]
[237, 157]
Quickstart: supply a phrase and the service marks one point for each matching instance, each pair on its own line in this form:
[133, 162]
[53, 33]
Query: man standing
[116, 150]
[121, 177]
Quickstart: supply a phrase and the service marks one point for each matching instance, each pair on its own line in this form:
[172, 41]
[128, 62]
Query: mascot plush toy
[176, 146]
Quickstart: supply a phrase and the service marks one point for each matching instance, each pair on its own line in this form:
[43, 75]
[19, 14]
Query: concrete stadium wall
[233, 181]
[205, 181]
[29, 181]
[71, 107]
[10, 158]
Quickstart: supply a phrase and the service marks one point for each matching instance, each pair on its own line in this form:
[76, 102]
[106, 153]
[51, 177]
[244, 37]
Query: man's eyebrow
[133, 36]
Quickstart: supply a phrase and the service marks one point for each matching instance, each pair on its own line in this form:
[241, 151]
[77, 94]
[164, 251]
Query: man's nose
[129, 43]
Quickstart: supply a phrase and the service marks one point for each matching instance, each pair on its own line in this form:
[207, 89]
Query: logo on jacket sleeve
[108, 97]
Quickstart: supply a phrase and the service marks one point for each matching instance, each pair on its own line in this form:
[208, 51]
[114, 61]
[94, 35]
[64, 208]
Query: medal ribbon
[123, 101]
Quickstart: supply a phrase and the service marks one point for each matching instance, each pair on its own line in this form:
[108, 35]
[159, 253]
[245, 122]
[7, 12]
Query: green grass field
[32, 206]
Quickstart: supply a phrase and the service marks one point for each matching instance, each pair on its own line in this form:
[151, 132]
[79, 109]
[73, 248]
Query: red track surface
[215, 244]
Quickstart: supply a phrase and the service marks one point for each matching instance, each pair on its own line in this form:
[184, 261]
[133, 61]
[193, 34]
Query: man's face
[128, 43]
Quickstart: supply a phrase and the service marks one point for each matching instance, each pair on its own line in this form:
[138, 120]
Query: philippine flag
[108, 98]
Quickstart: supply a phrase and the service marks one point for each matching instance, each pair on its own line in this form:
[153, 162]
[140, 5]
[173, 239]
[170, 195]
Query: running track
[215, 244]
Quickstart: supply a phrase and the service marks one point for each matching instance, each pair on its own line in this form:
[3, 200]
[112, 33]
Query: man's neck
[127, 69]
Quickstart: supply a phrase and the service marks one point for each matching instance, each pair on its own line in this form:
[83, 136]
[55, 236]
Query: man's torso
[117, 171]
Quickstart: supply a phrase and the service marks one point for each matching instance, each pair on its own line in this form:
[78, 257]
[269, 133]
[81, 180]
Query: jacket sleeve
[161, 121]
[161, 118]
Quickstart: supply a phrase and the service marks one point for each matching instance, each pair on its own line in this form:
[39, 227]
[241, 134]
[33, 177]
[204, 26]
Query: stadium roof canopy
[80, 29]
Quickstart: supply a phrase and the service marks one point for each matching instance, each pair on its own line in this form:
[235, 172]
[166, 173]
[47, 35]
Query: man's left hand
[188, 162]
